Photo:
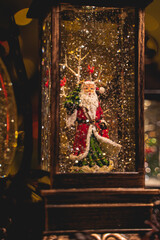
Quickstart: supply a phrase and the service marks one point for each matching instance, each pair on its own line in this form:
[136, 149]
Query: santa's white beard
[89, 101]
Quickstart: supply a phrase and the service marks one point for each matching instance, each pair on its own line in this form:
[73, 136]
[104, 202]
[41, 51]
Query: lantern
[92, 138]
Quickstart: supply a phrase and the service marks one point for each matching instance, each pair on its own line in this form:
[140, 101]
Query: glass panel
[152, 142]
[97, 89]
[46, 91]
[8, 122]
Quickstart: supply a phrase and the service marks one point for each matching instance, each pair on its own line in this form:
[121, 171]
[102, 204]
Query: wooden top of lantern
[39, 8]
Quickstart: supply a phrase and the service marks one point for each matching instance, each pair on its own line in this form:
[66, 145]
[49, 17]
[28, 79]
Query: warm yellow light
[29, 66]
[151, 23]
[21, 17]
[16, 134]
[152, 44]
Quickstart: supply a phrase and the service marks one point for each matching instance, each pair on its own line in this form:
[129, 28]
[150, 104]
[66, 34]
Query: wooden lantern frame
[121, 179]
[97, 180]
[113, 202]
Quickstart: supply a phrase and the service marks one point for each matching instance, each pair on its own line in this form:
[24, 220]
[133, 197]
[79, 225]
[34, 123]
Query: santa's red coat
[80, 141]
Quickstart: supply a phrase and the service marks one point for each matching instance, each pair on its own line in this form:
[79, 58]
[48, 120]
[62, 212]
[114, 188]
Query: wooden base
[98, 210]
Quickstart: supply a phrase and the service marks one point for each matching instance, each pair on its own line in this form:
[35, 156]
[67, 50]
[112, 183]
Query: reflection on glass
[46, 92]
[152, 142]
[97, 89]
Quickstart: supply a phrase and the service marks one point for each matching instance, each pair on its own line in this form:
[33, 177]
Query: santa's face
[89, 99]
[89, 88]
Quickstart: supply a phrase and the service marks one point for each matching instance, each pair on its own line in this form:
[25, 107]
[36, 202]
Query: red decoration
[90, 69]
[47, 72]
[5, 45]
[47, 83]
[149, 150]
[63, 82]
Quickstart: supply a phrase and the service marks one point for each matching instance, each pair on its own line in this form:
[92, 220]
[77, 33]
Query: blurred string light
[21, 17]
[152, 150]
[151, 22]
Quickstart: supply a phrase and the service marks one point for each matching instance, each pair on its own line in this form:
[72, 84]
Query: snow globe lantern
[92, 138]
[92, 93]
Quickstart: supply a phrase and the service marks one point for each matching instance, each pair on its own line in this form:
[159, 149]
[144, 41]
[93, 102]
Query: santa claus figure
[92, 148]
